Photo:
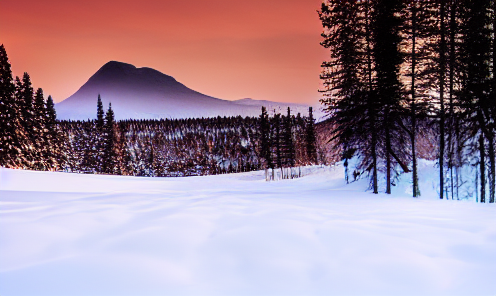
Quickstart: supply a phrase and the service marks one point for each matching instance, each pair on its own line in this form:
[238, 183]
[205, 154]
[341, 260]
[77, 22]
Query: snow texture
[69, 234]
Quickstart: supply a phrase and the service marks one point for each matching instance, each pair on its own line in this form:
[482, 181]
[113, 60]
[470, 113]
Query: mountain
[145, 93]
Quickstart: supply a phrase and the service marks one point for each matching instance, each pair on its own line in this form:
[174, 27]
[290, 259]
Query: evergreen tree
[387, 58]
[9, 142]
[417, 31]
[109, 165]
[288, 145]
[25, 94]
[99, 134]
[310, 137]
[265, 149]
[39, 138]
[276, 139]
[492, 104]
[454, 142]
[100, 115]
[349, 78]
[442, 115]
[370, 94]
[53, 137]
[476, 101]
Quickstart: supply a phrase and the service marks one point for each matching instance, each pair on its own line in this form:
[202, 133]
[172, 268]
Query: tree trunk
[371, 108]
[482, 169]
[442, 69]
[388, 154]
[416, 191]
[476, 185]
[492, 186]
[492, 170]
[458, 158]
[452, 58]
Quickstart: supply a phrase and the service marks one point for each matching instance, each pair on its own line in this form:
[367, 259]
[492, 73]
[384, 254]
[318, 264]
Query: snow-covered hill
[69, 234]
[145, 93]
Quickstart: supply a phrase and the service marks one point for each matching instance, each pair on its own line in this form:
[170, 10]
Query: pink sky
[260, 49]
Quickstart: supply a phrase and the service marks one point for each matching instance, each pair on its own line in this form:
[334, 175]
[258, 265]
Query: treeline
[396, 65]
[186, 147]
[29, 136]
[32, 138]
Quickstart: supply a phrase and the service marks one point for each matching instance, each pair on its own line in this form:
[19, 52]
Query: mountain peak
[145, 93]
[115, 72]
[111, 65]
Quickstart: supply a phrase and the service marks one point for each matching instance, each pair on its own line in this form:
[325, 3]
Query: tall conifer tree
[387, 57]
[310, 137]
[265, 149]
[9, 142]
[25, 94]
[98, 151]
[348, 78]
[54, 141]
[39, 137]
[476, 101]
[109, 156]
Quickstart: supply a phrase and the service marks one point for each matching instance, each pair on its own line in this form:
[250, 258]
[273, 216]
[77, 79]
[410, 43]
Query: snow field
[69, 234]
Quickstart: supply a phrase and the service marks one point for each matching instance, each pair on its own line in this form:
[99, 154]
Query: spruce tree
[349, 77]
[54, 141]
[492, 104]
[310, 137]
[25, 94]
[417, 31]
[99, 134]
[109, 165]
[442, 115]
[387, 58]
[476, 101]
[100, 114]
[265, 148]
[454, 150]
[276, 139]
[288, 144]
[40, 141]
[9, 124]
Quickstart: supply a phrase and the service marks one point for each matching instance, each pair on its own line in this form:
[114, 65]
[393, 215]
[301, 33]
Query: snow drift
[69, 234]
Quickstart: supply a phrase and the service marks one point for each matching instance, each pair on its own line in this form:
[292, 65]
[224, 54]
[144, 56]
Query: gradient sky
[260, 49]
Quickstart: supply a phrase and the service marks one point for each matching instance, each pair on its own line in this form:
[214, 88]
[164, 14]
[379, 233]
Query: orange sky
[260, 49]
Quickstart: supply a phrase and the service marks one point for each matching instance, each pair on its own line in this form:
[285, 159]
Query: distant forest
[397, 68]
[32, 138]
[186, 147]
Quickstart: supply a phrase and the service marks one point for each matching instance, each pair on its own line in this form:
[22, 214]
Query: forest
[399, 69]
[187, 147]
[33, 138]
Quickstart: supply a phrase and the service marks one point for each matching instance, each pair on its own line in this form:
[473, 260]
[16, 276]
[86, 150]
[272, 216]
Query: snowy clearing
[68, 234]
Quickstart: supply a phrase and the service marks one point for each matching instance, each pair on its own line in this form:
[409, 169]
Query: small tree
[39, 136]
[310, 137]
[53, 136]
[265, 152]
[109, 164]
[288, 145]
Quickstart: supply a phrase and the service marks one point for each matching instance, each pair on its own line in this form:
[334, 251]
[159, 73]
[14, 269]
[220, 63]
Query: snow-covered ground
[68, 234]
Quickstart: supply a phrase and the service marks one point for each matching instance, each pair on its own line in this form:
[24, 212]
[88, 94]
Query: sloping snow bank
[68, 234]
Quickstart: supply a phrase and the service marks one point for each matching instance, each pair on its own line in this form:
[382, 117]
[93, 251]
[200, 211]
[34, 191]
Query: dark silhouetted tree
[310, 137]
[10, 149]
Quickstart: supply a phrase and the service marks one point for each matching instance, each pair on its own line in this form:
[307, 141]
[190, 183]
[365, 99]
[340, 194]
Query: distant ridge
[145, 93]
